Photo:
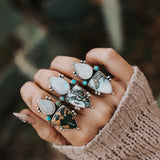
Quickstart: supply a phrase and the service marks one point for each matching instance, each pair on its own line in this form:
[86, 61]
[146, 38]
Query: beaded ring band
[93, 77]
[70, 92]
[58, 114]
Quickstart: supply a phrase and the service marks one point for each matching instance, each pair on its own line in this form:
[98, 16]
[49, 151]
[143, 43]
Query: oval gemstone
[59, 85]
[84, 71]
[46, 106]
[100, 83]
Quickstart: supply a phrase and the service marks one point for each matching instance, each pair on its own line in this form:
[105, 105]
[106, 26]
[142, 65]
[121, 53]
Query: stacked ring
[58, 114]
[93, 77]
[70, 92]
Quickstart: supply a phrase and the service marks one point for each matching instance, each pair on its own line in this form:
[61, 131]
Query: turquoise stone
[96, 68]
[61, 98]
[64, 117]
[100, 83]
[77, 97]
[84, 83]
[48, 118]
[73, 81]
[59, 85]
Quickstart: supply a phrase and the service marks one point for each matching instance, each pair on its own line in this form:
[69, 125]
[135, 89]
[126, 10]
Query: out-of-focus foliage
[33, 32]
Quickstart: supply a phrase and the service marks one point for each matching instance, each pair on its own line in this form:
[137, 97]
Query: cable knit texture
[132, 133]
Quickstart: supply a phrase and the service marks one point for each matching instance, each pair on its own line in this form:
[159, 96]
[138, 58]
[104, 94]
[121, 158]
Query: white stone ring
[70, 92]
[94, 78]
[58, 114]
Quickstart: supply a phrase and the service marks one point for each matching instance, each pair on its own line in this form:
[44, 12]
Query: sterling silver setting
[93, 78]
[70, 92]
[57, 114]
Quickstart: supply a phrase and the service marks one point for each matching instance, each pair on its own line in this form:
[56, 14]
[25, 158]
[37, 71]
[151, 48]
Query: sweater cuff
[132, 132]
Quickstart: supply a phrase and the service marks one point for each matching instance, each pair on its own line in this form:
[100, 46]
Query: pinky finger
[44, 130]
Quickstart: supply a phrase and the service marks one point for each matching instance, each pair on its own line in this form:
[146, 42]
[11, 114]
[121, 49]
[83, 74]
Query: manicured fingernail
[24, 118]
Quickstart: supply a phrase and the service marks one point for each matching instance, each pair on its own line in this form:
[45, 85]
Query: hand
[90, 121]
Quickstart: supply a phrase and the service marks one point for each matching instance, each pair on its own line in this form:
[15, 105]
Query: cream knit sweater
[133, 133]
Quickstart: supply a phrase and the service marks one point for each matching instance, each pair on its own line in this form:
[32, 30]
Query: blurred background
[33, 32]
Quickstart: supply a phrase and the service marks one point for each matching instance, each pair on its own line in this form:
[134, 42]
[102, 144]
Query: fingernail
[24, 118]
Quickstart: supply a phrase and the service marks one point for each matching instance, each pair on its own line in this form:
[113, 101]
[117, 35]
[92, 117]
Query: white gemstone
[46, 106]
[77, 97]
[100, 83]
[84, 71]
[59, 85]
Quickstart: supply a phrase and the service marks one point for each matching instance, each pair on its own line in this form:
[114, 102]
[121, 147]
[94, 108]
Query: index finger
[112, 61]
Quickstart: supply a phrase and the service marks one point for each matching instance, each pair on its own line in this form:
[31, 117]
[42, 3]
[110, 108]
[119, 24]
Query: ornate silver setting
[70, 92]
[94, 78]
[58, 114]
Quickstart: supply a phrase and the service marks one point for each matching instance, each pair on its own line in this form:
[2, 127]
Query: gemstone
[59, 85]
[58, 103]
[78, 97]
[100, 83]
[96, 68]
[61, 98]
[46, 106]
[84, 71]
[84, 83]
[64, 117]
[48, 118]
[73, 81]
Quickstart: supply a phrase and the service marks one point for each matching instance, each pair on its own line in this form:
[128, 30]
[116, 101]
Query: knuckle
[38, 73]
[25, 87]
[110, 53]
[46, 135]
[26, 111]
[94, 50]
[57, 58]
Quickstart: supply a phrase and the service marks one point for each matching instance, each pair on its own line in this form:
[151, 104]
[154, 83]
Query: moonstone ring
[57, 114]
[70, 92]
[92, 77]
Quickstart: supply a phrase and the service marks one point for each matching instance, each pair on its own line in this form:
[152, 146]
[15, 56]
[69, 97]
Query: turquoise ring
[57, 114]
[93, 78]
[70, 92]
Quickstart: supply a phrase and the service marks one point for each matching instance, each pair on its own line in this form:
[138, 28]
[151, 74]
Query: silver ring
[93, 78]
[58, 114]
[70, 92]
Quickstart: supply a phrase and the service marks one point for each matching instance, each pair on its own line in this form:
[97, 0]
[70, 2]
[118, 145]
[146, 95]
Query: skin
[90, 121]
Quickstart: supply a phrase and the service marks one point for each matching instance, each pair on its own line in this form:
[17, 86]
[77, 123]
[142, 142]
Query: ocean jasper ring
[57, 114]
[70, 92]
[92, 77]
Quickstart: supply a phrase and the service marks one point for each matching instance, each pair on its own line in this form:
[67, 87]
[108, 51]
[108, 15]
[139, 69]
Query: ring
[70, 92]
[93, 77]
[58, 114]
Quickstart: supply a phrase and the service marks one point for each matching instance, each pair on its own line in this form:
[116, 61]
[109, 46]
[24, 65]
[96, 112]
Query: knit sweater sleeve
[132, 133]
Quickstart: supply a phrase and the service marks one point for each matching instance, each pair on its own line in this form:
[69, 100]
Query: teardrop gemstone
[84, 71]
[64, 117]
[100, 83]
[46, 106]
[59, 85]
[77, 97]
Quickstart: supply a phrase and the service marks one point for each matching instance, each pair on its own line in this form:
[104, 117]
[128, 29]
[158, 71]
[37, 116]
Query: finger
[64, 65]
[112, 61]
[30, 93]
[42, 74]
[41, 78]
[44, 130]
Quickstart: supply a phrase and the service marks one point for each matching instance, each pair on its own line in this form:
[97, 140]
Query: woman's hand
[90, 121]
